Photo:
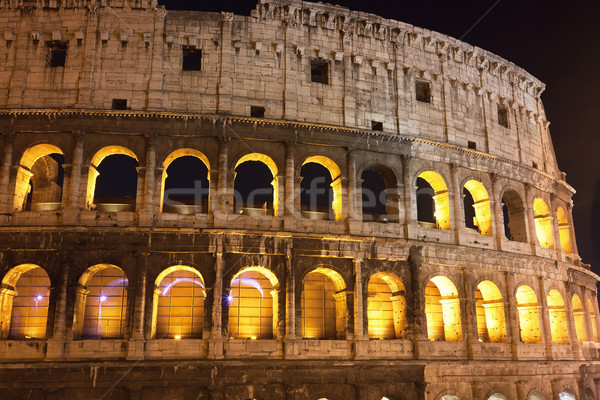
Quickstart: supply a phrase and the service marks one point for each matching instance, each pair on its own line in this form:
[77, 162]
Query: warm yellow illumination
[253, 304]
[491, 325]
[441, 200]
[179, 303]
[543, 224]
[386, 307]
[564, 230]
[593, 320]
[268, 161]
[336, 182]
[558, 317]
[95, 162]
[323, 304]
[483, 218]
[24, 303]
[442, 310]
[177, 337]
[172, 157]
[528, 315]
[579, 316]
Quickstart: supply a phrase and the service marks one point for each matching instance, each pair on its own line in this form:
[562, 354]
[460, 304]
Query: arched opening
[255, 185]
[24, 296]
[564, 230]
[593, 320]
[566, 395]
[379, 195]
[253, 305]
[491, 324]
[477, 207]
[433, 204]
[185, 182]
[442, 309]
[101, 303]
[450, 397]
[386, 307]
[324, 311]
[112, 180]
[528, 313]
[179, 303]
[497, 396]
[579, 317]
[514, 217]
[39, 179]
[558, 317]
[537, 396]
[321, 189]
[543, 223]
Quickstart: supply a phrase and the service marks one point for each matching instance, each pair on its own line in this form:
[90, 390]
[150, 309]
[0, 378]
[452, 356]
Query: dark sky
[558, 42]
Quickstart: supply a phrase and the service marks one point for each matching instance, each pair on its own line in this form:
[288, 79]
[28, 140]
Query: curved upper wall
[370, 66]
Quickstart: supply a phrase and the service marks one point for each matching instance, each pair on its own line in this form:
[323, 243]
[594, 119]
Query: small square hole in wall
[119, 104]
[57, 53]
[534, 165]
[319, 71]
[192, 59]
[257, 112]
[472, 145]
[423, 91]
[376, 125]
[503, 115]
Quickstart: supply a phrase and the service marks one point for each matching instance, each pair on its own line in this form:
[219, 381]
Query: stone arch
[95, 161]
[272, 167]
[564, 230]
[496, 396]
[198, 203]
[543, 224]
[336, 181]
[47, 190]
[579, 318]
[101, 302]
[178, 303]
[558, 317]
[481, 206]
[489, 306]
[593, 320]
[253, 304]
[515, 227]
[324, 306]
[528, 312]
[567, 394]
[442, 309]
[440, 197]
[24, 298]
[448, 394]
[379, 204]
[537, 395]
[386, 306]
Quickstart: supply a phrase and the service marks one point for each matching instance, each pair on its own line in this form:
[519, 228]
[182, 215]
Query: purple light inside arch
[178, 280]
[249, 282]
[103, 298]
[229, 298]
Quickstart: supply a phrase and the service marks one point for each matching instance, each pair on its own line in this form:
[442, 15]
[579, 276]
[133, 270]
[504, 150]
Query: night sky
[559, 43]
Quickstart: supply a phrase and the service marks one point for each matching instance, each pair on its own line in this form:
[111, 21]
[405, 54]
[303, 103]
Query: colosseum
[306, 203]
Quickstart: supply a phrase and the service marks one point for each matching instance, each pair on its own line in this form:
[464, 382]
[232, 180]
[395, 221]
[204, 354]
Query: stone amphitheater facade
[352, 305]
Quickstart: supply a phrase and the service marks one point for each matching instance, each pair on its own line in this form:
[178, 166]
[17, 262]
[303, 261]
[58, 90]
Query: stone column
[278, 198]
[569, 212]
[148, 201]
[359, 329]
[290, 209]
[576, 348]
[213, 182]
[545, 316]
[217, 320]
[73, 182]
[470, 315]
[585, 299]
[555, 228]
[529, 219]
[5, 172]
[55, 349]
[354, 201]
[496, 210]
[223, 199]
[410, 216]
[458, 211]
[511, 313]
[290, 299]
[140, 297]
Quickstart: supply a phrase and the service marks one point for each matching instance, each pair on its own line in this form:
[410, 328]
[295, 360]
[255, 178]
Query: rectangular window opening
[423, 91]
[257, 112]
[192, 59]
[319, 71]
[57, 53]
[119, 104]
[472, 145]
[376, 125]
[503, 115]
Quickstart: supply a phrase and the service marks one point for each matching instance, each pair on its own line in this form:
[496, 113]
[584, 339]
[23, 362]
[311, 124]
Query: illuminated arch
[543, 224]
[101, 301]
[515, 227]
[270, 164]
[564, 230]
[386, 307]
[25, 171]
[95, 162]
[379, 193]
[442, 310]
[489, 305]
[537, 395]
[253, 304]
[558, 317]
[566, 394]
[483, 216]
[440, 198]
[323, 303]
[579, 319]
[336, 181]
[178, 307]
[184, 152]
[593, 320]
[528, 312]
[24, 296]
[496, 396]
